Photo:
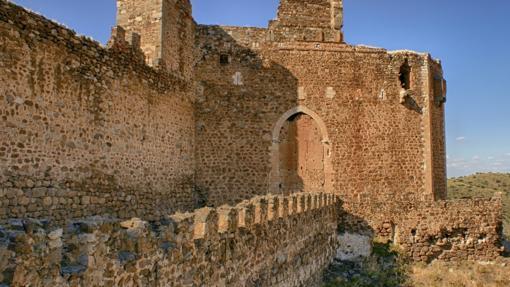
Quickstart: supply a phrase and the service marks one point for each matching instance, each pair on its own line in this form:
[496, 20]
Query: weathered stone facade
[268, 241]
[88, 130]
[451, 230]
[376, 146]
[173, 115]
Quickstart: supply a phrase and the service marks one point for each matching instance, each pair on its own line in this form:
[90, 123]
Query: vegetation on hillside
[483, 185]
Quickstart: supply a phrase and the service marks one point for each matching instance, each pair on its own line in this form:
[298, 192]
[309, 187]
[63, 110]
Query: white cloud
[460, 166]
[507, 154]
[460, 139]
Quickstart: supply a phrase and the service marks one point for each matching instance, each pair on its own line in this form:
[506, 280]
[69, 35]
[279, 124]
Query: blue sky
[472, 38]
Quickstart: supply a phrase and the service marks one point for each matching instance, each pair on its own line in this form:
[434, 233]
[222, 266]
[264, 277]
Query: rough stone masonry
[172, 116]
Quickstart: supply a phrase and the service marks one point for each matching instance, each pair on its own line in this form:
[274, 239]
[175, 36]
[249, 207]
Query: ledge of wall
[36, 29]
[86, 129]
[267, 241]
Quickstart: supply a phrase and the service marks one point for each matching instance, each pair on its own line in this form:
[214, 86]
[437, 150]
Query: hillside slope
[483, 185]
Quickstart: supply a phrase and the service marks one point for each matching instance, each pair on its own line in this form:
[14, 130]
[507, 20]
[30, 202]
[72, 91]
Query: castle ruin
[184, 154]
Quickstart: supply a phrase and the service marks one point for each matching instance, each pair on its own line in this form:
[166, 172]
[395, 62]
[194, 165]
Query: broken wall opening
[405, 75]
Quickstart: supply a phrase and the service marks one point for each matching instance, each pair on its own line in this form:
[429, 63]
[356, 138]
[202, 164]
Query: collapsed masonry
[173, 115]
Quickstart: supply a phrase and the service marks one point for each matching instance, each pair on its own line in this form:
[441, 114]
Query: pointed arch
[275, 178]
[299, 110]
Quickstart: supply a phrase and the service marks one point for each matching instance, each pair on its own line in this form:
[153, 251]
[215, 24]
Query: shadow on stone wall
[84, 128]
[506, 244]
[383, 267]
[267, 241]
[364, 257]
[240, 98]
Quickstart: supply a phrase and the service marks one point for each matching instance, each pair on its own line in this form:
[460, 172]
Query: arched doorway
[300, 153]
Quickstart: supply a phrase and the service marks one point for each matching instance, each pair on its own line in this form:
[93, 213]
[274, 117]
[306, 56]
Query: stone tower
[308, 20]
[166, 28]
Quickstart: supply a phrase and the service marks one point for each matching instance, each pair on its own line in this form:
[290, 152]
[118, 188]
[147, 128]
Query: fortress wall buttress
[437, 117]
[88, 130]
[449, 230]
[178, 34]
[167, 32]
[144, 17]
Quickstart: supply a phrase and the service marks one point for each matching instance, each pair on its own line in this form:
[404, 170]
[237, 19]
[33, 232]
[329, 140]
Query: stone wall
[178, 32]
[453, 230]
[168, 32]
[143, 19]
[88, 130]
[268, 241]
[437, 113]
[102, 131]
[308, 20]
[376, 135]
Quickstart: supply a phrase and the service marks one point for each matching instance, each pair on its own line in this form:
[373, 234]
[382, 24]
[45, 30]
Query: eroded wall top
[88, 130]
[308, 20]
[167, 32]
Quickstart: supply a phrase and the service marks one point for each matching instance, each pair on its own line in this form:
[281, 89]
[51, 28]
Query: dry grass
[470, 274]
[465, 274]
[440, 274]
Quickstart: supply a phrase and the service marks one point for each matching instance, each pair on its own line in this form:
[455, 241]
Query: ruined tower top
[309, 20]
[166, 28]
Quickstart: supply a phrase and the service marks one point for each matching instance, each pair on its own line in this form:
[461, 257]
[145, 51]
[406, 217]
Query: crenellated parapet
[269, 239]
[167, 29]
[210, 222]
[171, 116]
[119, 41]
